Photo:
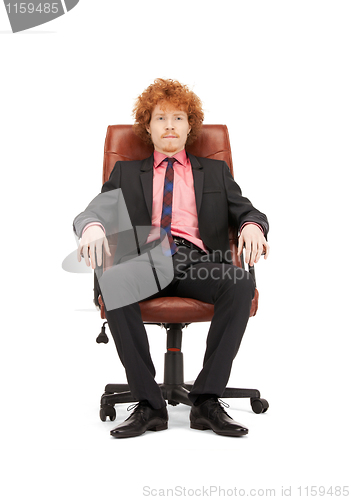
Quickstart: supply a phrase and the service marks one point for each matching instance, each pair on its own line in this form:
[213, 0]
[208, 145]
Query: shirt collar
[181, 157]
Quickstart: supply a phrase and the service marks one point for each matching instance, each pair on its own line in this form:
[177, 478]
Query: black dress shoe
[144, 418]
[211, 415]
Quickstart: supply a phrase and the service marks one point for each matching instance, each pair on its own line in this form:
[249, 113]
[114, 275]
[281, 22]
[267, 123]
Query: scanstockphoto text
[204, 272]
[327, 491]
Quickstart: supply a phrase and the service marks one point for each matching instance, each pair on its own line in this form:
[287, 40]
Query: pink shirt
[184, 215]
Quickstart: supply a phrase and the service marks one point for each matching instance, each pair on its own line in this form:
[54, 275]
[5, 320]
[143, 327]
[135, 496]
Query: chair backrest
[121, 144]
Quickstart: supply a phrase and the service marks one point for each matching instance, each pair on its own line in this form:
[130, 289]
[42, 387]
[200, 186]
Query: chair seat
[178, 310]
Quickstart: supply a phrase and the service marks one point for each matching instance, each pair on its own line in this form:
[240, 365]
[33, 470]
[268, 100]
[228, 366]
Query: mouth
[170, 136]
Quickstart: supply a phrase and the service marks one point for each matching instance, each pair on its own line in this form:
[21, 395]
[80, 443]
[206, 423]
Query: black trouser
[229, 288]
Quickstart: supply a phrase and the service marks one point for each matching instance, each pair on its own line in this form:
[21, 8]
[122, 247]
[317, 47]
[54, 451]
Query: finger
[248, 249]
[267, 250]
[240, 246]
[99, 253]
[259, 253]
[106, 246]
[79, 253]
[92, 255]
[253, 255]
[86, 255]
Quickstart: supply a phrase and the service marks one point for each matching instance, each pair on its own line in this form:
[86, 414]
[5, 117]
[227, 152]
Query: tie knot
[170, 161]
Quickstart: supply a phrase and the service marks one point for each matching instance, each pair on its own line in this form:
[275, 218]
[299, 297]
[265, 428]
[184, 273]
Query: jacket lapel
[146, 178]
[198, 175]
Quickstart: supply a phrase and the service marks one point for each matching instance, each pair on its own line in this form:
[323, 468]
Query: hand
[252, 237]
[93, 240]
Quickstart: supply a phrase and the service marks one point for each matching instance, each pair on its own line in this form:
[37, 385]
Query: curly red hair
[173, 94]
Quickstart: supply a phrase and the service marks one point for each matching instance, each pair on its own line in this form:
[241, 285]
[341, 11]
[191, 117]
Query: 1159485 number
[23, 7]
[335, 491]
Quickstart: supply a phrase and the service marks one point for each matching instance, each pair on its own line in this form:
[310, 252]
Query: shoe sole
[156, 428]
[201, 427]
[161, 427]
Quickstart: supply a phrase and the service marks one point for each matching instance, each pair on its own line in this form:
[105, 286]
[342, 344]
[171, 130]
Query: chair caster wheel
[107, 411]
[259, 405]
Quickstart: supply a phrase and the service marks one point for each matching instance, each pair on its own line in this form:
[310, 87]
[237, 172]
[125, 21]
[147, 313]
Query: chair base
[174, 389]
[174, 394]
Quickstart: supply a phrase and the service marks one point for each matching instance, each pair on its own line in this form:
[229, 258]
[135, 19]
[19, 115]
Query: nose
[169, 124]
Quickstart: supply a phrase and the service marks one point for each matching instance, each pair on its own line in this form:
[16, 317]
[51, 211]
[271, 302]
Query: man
[191, 201]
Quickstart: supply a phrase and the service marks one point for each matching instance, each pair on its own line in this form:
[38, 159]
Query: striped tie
[166, 217]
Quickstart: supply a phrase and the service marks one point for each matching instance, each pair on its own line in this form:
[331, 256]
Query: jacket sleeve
[104, 207]
[240, 208]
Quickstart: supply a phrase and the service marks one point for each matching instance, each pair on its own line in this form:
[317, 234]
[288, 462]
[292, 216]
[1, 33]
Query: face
[169, 129]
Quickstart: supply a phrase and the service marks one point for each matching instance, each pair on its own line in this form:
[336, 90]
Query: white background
[278, 74]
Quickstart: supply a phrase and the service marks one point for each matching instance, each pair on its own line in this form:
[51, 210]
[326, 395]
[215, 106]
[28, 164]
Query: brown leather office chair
[173, 313]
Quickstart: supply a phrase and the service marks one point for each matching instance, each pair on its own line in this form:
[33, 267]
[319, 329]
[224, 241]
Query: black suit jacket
[219, 204]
